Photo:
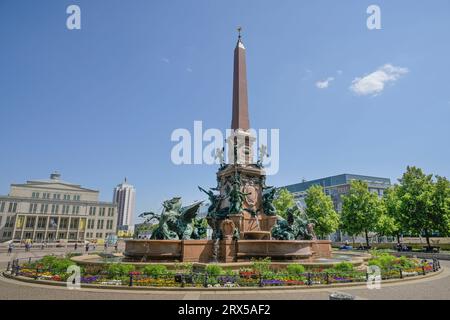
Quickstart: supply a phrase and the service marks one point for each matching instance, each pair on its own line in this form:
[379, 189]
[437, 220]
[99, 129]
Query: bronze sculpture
[174, 222]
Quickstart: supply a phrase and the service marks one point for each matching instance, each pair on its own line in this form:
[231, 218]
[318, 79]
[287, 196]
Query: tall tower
[124, 196]
[240, 142]
[241, 182]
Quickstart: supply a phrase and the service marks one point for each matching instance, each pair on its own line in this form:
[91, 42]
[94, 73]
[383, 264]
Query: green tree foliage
[424, 205]
[319, 207]
[389, 223]
[441, 205]
[361, 210]
[283, 201]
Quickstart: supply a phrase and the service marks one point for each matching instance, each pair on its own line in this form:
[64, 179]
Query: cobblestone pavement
[436, 287]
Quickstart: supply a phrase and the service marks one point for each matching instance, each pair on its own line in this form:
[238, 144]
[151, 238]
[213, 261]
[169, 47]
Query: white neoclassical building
[54, 210]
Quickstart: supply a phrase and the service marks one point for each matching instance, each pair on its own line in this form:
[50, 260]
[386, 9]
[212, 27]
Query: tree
[417, 213]
[361, 210]
[441, 205]
[283, 201]
[319, 207]
[389, 222]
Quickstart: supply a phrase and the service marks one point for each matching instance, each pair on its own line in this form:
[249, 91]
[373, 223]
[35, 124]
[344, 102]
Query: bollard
[205, 281]
[37, 273]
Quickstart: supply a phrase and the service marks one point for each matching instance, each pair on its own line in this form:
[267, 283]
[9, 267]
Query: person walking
[87, 247]
[106, 246]
[75, 247]
[10, 248]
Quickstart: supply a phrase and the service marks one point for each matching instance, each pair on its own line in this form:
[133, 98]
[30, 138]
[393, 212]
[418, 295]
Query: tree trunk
[367, 238]
[398, 238]
[427, 236]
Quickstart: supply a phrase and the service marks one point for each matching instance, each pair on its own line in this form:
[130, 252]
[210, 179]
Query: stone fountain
[241, 213]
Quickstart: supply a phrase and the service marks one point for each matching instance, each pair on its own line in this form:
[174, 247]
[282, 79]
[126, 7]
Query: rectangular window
[33, 208]
[30, 222]
[65, 209]
[73, 223]
[64, 223]
[42, 222]
[92, 211]
[44, 208]
[55, 208]
[2, 206]
[53, 223]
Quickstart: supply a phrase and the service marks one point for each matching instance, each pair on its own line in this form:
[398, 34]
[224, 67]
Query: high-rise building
[124, 197]
[55, 210]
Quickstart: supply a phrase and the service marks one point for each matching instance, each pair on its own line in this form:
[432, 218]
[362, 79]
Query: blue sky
[100, 103]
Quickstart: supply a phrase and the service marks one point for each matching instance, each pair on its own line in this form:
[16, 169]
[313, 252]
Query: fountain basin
[256, 235]
[229, 250]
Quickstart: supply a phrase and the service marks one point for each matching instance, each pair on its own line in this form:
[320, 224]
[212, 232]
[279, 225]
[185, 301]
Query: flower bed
[259, 275]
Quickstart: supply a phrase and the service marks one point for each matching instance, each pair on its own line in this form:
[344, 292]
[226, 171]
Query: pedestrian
[10, 248]
[75, 247]
[106, 246]
[42, 246]
[115, 247]
[87, 247]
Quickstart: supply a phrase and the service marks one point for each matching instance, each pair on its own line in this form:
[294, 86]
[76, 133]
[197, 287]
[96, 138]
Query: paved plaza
[435, 287]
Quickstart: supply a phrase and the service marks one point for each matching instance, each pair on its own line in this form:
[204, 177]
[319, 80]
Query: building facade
[336, 187]
[54, 210]
[124, 196]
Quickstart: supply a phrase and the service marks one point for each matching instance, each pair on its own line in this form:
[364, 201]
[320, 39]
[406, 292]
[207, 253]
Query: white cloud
[374, 83]
[166, 60]
[188, 69]
[325, 83]
[339, 72]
